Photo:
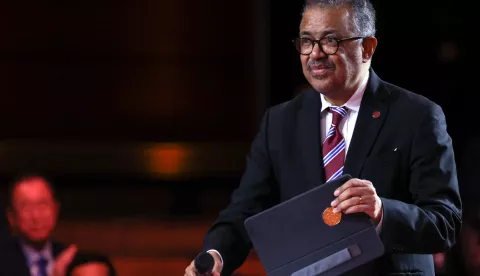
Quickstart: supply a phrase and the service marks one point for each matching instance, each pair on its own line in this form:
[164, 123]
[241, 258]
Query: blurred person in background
[469, 247]
[464, 258]
[440, 263]
[32, 215]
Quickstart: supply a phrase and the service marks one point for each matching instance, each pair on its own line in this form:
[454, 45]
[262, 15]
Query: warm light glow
[167, 159]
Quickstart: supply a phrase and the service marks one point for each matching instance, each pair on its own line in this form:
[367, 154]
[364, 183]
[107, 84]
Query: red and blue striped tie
[333, 147]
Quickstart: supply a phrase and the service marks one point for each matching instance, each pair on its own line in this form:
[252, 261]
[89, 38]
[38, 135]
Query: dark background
[143, 111]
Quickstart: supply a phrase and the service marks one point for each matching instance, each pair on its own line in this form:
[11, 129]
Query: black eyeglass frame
[320, 45]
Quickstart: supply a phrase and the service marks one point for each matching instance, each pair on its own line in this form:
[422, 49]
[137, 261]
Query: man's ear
[369, 45]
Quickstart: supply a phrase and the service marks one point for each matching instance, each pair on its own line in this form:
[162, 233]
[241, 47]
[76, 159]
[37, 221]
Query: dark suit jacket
[12, 260]
[417, 182]
[14, 263]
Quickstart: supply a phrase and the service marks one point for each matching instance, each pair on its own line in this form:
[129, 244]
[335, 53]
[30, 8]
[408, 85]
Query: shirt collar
[34, 255]
[354, 102]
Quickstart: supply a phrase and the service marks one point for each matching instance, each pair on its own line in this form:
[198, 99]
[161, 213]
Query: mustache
[319, 63]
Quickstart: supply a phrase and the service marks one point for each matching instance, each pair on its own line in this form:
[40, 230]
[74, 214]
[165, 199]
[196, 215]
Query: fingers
[190, 270]
[67, 255]
[355, 196]
[365, 208]
[363, 203]
[361, 191]
[355, 182]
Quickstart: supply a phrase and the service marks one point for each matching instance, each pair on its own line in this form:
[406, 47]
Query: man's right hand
[217, 268]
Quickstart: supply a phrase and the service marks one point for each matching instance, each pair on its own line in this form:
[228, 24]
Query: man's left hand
[358, 195]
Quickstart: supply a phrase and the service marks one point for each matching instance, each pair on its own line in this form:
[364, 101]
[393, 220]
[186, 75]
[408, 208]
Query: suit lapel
[309, 131]
[370, 120]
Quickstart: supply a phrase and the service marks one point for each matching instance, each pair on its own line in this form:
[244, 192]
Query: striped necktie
[333, 147]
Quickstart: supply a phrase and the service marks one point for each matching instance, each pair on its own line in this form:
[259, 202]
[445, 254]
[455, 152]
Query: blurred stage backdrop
[142, 111]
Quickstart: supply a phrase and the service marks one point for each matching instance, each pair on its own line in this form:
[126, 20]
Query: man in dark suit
[32, 215]
[393, 142]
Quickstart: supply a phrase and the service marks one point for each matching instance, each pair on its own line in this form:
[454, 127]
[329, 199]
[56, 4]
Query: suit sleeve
[256, 192]
[432, 223]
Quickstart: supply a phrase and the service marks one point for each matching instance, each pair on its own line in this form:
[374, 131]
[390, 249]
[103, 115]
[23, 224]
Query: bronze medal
[330, 218]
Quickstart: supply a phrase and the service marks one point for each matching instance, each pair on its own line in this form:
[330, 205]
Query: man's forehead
[318, 32]
[318, 21]
[34, 184]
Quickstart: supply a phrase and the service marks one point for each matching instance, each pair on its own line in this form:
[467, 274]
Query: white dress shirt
[347, 124]
[32, 256]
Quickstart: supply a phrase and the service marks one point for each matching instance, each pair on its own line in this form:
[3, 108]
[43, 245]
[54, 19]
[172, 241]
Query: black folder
[293, 239]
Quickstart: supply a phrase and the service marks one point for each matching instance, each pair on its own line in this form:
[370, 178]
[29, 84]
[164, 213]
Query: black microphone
[204, 264]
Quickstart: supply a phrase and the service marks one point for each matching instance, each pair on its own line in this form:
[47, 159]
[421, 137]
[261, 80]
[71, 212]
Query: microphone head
[204, 263]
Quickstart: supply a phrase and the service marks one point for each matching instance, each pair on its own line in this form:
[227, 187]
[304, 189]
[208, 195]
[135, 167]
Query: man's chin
[320, 77]
[36, 239]
[321, 85]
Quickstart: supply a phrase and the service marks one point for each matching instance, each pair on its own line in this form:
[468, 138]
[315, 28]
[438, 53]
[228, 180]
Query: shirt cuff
[213, 250]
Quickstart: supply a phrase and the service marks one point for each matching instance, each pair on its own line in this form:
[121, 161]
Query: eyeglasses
[328, 45]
